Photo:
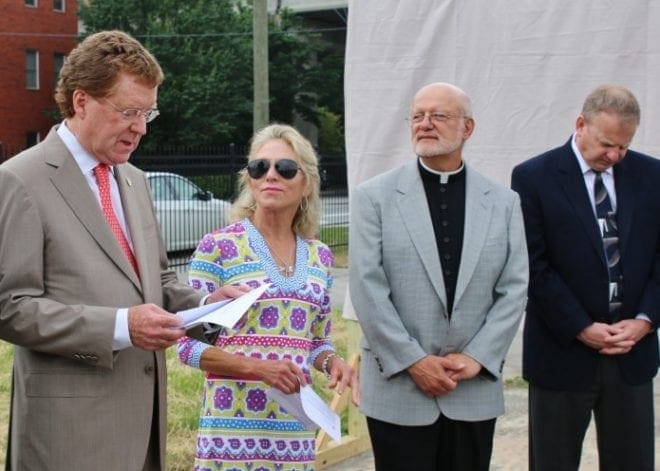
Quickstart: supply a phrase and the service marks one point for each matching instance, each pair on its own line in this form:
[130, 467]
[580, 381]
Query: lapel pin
[128, 182]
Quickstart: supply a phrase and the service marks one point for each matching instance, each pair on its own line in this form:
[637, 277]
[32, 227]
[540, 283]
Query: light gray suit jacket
[76, 403]
[399, 296]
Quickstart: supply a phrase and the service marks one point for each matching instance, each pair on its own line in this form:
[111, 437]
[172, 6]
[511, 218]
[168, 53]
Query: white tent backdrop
[526, 64]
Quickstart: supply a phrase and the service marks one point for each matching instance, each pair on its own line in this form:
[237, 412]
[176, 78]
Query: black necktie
[610, 233]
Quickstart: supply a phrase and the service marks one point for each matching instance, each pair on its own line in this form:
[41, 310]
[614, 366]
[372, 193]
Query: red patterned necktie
[102, 174]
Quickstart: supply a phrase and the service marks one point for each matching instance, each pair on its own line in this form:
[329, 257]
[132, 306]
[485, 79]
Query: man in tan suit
[88, 306]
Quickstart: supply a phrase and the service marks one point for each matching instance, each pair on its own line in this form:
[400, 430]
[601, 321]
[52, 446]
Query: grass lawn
[184, 394]
[185, 383]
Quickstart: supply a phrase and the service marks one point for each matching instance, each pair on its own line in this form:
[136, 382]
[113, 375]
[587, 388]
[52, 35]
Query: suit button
[149, 369]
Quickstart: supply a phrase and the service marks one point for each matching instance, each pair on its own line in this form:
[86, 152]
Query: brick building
[35, 36]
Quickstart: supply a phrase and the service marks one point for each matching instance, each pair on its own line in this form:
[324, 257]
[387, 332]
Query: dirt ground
[510, 442]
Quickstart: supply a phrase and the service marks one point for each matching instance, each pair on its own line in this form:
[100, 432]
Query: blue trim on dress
[251, 424]
[260, 247]
[217, 270]
[195, 354]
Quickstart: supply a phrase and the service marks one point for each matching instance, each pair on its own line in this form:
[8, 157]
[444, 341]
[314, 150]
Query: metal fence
[192, 189]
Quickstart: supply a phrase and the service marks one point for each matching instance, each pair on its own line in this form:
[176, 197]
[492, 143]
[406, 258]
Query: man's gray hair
[612, 99]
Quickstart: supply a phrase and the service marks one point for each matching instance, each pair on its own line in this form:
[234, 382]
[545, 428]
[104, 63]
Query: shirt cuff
[643, 317]
[121, 338]
[195, 354]
[314, 354]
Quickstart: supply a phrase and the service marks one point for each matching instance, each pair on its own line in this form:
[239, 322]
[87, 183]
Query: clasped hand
[614, 339]
[438, 375]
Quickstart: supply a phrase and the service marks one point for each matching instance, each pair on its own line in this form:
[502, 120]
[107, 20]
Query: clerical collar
[444, 176]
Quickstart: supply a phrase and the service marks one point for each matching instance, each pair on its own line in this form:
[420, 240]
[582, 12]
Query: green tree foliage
[331, 134]
[205, 50]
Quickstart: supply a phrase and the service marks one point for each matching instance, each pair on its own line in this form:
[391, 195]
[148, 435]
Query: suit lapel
[478, 211]
[72, 186]
[625, 181]
[572, 184]
[132, 214]
[416, 218]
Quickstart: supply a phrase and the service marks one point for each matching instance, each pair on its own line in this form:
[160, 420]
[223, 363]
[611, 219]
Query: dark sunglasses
[287, 168]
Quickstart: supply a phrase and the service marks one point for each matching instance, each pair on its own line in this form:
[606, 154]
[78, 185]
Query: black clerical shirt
[445, 194]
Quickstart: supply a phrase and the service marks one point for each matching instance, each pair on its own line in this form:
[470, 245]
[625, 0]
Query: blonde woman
[286, 332]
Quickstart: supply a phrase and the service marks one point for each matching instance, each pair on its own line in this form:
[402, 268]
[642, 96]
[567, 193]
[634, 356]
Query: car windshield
[185, 190]
[165, 187]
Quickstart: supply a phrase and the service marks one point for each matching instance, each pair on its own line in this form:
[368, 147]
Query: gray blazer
[76, 404]
[399, 296]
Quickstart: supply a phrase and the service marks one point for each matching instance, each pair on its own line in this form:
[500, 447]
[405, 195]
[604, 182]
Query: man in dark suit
[85, 293]
[592, 218]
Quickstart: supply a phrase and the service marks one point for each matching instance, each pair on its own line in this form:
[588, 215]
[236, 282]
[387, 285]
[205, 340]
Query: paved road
[510, 443]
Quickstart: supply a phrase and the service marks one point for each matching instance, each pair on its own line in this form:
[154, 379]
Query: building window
[58, 62]
[32, 138]
[58, 5]
[32, 3]
[32, 69]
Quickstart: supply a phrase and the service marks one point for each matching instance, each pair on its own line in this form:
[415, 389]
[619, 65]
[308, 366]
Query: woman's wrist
[326, 364]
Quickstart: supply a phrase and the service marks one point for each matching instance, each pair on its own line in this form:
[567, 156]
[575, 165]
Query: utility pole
[260, 64]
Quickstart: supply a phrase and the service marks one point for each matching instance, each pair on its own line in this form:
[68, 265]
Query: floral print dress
[239, 427]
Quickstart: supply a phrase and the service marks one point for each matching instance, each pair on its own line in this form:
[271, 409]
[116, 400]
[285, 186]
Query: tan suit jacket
[76, 403]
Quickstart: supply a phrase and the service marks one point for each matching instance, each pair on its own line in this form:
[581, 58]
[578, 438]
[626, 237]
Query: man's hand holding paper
[226, 312]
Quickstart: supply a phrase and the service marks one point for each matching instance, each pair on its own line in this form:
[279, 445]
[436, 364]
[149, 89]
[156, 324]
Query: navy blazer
[568, 272]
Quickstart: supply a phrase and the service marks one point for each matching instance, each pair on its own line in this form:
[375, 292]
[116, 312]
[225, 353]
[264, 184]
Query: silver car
[184, 210]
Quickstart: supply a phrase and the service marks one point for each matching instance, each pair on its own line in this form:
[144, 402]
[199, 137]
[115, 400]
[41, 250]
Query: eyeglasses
[436, 117]
[132, 113]
[287, 168]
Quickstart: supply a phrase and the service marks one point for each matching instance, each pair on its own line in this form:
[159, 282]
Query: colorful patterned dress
[239, 427]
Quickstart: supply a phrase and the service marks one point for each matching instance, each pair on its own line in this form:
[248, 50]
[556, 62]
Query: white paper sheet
[310, 409]
[226, 313]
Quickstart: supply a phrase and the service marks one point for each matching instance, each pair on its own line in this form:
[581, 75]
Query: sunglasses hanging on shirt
[287, 168]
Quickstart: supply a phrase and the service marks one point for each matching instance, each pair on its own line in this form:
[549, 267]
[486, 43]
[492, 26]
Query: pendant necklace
[284, 268]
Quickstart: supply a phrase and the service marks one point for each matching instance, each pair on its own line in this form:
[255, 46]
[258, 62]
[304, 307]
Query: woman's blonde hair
[306, 220]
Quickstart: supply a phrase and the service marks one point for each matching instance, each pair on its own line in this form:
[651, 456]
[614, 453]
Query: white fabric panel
[527, 65]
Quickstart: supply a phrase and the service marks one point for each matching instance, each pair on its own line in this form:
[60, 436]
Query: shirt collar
[584, 167]
[84, 159]
[444, 176]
